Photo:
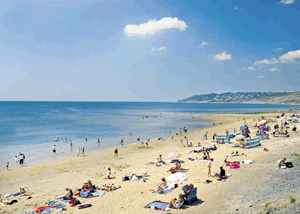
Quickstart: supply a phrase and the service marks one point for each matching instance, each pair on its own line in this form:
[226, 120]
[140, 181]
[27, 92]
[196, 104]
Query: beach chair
[192, 197]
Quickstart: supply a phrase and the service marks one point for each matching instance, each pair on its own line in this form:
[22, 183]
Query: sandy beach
[253, 188]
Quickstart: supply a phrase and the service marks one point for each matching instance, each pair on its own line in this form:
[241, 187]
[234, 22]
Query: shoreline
[48, 181]
[104, 148]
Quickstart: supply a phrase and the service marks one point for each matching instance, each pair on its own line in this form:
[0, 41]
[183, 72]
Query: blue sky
[84, 50]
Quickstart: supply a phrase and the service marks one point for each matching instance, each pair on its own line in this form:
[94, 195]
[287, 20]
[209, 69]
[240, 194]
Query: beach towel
[170, 188]
[28, 212]
[248, 161]
[181, 170]
[16, 194]
[84, 206]
[158, 205]
[55, 204]
[98, 193]
[175, 161]
[234, 165]
[7, 195]
[47, 210]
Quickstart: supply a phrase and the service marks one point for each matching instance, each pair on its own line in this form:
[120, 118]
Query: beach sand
[253, 188]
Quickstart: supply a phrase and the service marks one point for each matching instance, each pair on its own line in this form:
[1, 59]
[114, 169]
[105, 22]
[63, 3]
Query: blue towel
[66, 201]
[16, 194]
[180, 170]
[47, 210]
[158, 205]
[85, 194]
[55, 204]
[163, 191]
[28, 212]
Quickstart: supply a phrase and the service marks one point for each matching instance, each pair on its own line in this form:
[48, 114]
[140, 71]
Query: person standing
[7, 166]
[82, 150]
[116, 153]
[138, 138]
[99, 141]
[209, 167]
[21, 159]
[121, 142]
[71, 143]
[54, 150]
[78, 150]
[214, 137]
[205, 135]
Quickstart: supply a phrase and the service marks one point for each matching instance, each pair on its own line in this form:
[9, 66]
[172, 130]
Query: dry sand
[253, 188]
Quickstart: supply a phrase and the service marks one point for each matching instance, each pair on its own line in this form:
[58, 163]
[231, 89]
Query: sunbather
[162, 185]
[7, 202]
[175, 168]
[109, 187]
[176, 202]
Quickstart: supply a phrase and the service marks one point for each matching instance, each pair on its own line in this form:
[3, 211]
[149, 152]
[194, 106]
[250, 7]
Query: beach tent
[252, 143]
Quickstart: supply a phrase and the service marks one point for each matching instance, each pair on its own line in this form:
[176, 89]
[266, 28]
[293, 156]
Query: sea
[33, 127]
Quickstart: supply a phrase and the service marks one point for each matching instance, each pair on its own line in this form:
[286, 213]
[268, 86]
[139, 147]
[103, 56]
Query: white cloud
[260, 77]
[223, 56]
[202, 44]
[266, 61]
[153, 26]
[249, 68]
[287, 1]
[279, 49]
[274, 69]
[159, 49]
[290, 56]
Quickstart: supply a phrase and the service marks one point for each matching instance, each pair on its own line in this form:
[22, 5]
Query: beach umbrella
[239, 137]
[179, 177]
[174, 155]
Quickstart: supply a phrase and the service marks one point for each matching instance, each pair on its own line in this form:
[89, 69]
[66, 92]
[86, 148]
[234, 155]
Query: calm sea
[31, 127]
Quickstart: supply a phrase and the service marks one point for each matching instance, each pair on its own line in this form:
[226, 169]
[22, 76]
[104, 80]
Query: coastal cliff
[246, 97]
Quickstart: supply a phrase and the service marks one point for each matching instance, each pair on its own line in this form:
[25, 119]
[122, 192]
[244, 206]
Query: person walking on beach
[121, 142]
[98, 140]
[78, 150]
[138, 138]
[7, 165]
[205, 135]
[214, 137]
[116, 153]
[71, 143]
[209, 167]
[82, 150]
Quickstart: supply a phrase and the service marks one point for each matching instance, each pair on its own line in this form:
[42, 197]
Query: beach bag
[283, 167]
[72, 202]
[126, 178]
[289, 164]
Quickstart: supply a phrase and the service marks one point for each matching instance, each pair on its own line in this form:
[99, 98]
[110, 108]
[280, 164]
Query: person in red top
[69, 195]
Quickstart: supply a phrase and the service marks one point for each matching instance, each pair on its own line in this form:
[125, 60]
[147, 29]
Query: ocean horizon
[31, 127]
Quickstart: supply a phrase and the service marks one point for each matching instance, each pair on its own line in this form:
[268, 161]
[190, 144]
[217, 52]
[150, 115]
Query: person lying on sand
[109, 187]
[6, 202]
[175, 168]
[176, 202]
[162, 185]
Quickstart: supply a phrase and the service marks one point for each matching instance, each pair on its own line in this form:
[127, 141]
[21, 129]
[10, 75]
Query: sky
[125, 50]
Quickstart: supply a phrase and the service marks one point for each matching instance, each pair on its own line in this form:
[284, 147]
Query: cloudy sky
[84, 50]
